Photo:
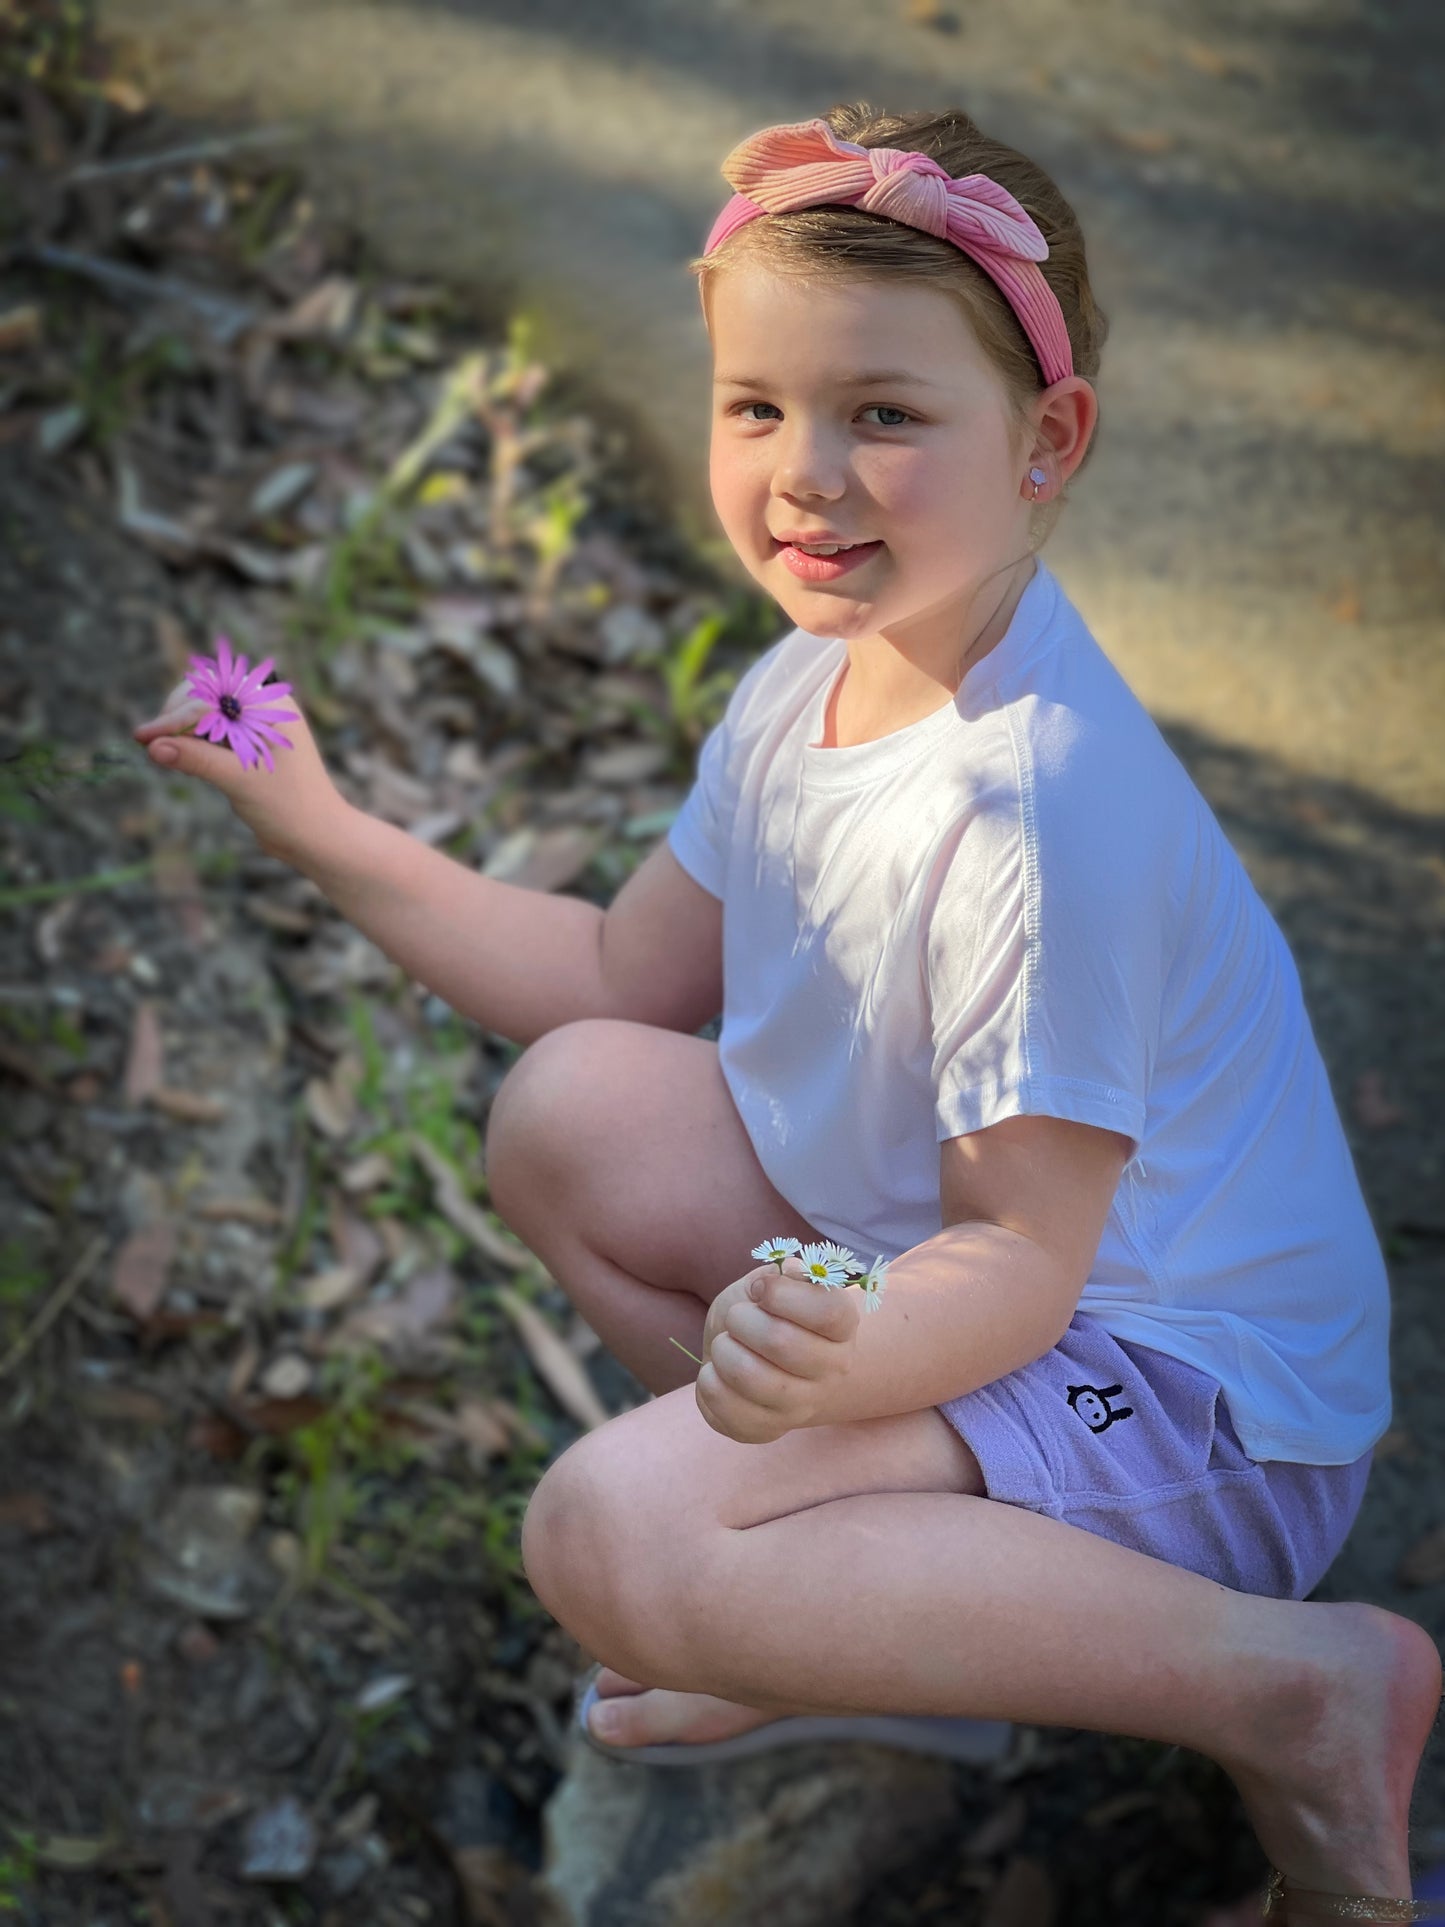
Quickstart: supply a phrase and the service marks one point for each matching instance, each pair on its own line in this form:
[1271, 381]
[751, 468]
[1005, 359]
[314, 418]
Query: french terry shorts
[1137, 1446]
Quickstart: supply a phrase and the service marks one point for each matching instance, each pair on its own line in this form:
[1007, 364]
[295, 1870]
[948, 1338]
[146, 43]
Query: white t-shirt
[1023, 904]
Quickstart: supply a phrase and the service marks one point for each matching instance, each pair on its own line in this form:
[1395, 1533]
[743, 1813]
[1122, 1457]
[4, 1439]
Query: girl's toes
[615, 1719]
[610, 1681]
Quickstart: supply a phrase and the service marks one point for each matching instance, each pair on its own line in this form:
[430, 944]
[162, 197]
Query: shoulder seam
[1028, 830]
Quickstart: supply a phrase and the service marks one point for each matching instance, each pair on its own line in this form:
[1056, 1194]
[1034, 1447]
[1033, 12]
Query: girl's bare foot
[636, 1715]
[1328, 1778]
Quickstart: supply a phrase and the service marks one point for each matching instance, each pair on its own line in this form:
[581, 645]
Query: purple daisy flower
[240, 716]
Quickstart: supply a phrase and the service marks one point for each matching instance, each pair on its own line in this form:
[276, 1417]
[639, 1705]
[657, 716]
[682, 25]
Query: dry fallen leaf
[419, 1312]
[1374, 1110]
[145, 1060]
[1144, 140]
[19, 329]
[355, 1242]
[1424, 1563]
[331, 1101]
[257, 1211]
[1023, 1896]
[330, 1288]
[557, 1367]
[367, 1173]
[190, 1107]
[1000, 1830]
[1208, 60]
[457, 1208]
[142, 1268]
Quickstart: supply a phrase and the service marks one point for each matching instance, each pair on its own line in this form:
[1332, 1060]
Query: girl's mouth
[825, 568]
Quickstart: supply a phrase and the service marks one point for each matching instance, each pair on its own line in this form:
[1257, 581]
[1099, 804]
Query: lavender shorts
[1138, 1447]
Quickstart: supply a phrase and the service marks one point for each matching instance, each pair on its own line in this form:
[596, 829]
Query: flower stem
[683, 1348]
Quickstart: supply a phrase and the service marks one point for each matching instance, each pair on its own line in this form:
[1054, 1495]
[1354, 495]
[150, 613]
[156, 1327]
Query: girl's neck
[882, 689]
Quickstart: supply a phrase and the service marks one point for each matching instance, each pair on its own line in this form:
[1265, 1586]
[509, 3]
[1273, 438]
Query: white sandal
[977, 1742]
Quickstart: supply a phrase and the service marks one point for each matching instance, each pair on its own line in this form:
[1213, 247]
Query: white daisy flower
[872, 1283]
[827, 1263]
[775, 1250]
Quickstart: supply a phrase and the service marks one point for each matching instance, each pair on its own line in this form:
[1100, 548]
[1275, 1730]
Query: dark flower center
[230, 708]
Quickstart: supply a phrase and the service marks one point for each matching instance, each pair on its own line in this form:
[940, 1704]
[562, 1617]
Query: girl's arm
[1024, 1204]
[517, 961]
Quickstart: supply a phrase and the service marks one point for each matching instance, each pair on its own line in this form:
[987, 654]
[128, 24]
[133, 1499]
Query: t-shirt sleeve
[1044, 961]
[700, 833]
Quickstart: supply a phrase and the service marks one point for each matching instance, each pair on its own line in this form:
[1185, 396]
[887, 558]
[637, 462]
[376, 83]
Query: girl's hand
[285, 807]
[765, 1358]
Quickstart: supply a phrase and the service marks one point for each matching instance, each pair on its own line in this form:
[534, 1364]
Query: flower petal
[257, 676]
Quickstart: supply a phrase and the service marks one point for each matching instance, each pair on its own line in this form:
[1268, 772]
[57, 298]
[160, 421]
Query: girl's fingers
[778, 1342]
[173, 718]
[752, 1377]
[803, 1301]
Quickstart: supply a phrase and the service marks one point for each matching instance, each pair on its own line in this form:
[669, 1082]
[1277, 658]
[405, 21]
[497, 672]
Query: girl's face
[926, 462]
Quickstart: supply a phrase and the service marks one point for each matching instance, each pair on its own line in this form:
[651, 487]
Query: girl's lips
[825, 568]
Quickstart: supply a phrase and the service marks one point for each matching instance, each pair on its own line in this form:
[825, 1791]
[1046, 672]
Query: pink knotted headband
[804, 164]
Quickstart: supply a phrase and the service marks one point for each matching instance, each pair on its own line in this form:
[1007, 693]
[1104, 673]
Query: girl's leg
[707, 1567]
[614, 1150]
[946, 1602]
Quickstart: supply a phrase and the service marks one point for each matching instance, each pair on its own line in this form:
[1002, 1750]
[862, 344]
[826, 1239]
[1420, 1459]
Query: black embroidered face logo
[1092, 1405]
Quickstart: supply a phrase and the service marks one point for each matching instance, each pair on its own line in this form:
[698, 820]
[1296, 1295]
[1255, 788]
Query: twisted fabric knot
[805, 164]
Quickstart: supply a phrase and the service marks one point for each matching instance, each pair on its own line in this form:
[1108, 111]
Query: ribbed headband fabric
[804, 164]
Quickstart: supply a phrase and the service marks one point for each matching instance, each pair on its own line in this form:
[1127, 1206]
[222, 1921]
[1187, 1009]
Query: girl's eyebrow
[887, 376]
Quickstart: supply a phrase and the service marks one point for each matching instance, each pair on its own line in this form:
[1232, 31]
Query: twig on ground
[227, 318]
[55, 1304]
[206, 150]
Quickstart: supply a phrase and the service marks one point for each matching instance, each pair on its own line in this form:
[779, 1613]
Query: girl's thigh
[661, 1471]
[623, 1527]
[632, 1133]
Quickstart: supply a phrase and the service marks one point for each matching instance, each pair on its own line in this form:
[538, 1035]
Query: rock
[792, 1837]
[280, 1842]
[199, 1557]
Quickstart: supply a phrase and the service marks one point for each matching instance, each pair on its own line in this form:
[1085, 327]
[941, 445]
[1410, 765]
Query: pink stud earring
[1038, 478]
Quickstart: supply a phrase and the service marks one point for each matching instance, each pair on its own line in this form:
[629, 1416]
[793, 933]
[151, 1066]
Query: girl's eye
[883, 406]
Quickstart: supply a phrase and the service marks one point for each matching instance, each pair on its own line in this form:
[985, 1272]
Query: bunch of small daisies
[827, 1264]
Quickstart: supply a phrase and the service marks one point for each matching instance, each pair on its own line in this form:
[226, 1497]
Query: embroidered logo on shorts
[1092, 1405]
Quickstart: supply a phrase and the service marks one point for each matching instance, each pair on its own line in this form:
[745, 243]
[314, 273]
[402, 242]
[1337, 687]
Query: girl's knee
[586, 1560]
[533, 1113]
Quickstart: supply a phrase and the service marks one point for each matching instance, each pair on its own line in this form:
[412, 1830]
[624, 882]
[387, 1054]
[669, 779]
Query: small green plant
[22, 1278]
[109, 388]
[362, 1025]
[48, 42]
[41, 766]
[293, 1254]
[331, 1456]
[17, 1868]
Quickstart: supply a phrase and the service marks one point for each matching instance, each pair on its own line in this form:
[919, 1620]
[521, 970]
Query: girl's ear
[1066, 416]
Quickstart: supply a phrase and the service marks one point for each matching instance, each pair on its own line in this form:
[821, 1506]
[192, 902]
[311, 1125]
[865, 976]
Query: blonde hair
[830, 245]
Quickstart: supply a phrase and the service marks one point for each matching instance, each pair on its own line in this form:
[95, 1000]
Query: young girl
[999, 1004]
